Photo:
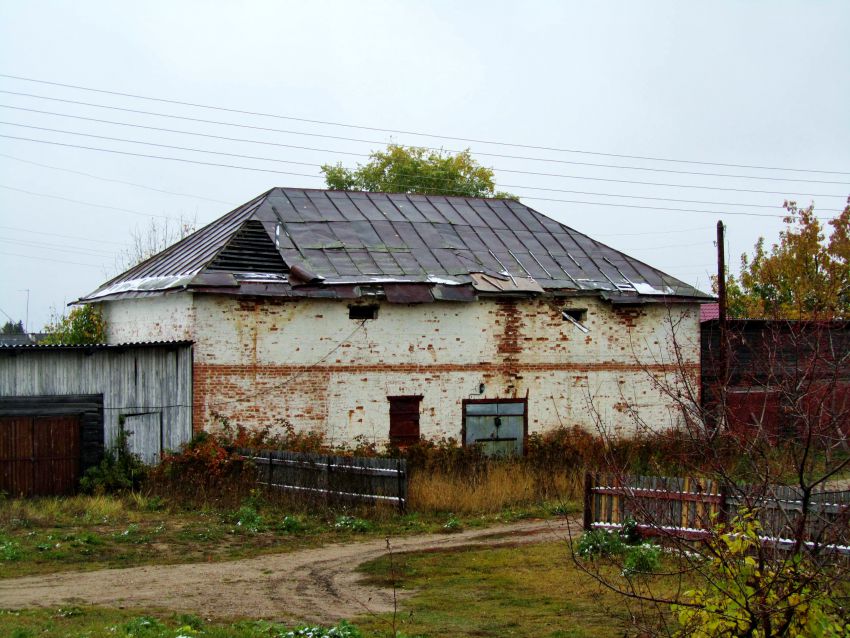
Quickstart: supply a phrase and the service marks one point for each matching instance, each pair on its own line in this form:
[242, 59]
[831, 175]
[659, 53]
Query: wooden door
[404, 420]
[39, 455]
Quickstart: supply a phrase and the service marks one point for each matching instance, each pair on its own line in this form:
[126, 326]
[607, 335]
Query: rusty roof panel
[408, 293]
[372, 238]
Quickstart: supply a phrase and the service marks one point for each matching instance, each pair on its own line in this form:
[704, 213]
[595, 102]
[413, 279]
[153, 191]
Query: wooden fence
[335, 478]
[688, 508]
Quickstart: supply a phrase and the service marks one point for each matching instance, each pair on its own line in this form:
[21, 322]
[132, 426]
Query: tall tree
[83, 325]
[411, 169]
[12, 328]
[145, 242]
[803, 276]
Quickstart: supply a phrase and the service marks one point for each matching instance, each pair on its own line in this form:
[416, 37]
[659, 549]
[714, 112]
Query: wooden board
[39, 455]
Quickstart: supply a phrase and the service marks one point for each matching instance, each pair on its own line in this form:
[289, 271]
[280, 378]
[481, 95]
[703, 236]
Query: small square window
[579, 314]
[362, 312]
[576, 316]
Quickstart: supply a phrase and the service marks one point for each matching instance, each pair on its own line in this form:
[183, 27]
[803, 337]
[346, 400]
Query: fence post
[402, 497]
[588, 495]
[723, 511]
[271, 476]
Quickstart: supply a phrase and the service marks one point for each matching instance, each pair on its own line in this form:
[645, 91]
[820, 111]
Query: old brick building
[391, 316]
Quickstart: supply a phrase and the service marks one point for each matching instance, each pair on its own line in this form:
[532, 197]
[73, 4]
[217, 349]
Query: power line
[116, 181]
[157, 145]
[94, 252]
[64, 236]
[324, 150]
[448, 191]
[58, 261]
[77, 201]
[382, 143]
[451, 192]
[560, 190]
[409, 132]
[267, 143]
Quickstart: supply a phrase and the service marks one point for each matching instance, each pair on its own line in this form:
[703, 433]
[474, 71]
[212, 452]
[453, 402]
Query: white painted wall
[306, 361]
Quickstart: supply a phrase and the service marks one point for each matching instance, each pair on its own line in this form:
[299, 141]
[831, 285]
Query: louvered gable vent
[250, 250]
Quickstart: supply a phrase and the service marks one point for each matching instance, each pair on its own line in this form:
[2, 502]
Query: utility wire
[92, 252]
[324, 150]
[383, 143]
[560, 190]
[117, 181]
[409, 132]
[267, 143]
[64, 236]
[58, 261]
[77, 201]
[448, 191]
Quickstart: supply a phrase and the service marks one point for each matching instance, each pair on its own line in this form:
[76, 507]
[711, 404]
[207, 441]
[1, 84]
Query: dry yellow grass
[501, 485]
[52, 509]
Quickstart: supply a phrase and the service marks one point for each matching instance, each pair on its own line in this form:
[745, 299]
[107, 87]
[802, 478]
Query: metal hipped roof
[355, 243]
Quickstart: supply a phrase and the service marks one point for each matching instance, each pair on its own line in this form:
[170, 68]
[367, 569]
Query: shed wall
[133, 381]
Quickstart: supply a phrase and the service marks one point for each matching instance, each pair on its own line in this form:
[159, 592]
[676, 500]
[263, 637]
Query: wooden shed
[61, 407]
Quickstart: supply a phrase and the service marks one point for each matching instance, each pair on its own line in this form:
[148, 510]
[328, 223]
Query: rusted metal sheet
[453, 293]
[355, 237]
[408, 293]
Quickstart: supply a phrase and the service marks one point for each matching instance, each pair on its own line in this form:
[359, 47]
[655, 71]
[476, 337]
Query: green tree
[411, 169]
[12, 328]
[803, 276]
[83, 325]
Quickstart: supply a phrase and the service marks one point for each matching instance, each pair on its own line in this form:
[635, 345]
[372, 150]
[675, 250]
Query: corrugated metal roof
[372, 239]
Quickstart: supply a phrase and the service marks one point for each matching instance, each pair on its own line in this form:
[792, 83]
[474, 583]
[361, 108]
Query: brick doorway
[404, 420]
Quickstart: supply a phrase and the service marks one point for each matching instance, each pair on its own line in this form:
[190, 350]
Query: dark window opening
[404, 420]
[576, 316]
[363, 312]
[579, 314]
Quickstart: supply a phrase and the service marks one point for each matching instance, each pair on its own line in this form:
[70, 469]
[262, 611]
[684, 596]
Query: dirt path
[318, 585]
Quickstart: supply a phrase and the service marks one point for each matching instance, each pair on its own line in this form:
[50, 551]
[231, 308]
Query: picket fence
[689, 507]
[332, 478]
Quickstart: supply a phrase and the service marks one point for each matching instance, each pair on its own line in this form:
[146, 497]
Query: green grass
[94, 622]
[528, 590]
[48, 535]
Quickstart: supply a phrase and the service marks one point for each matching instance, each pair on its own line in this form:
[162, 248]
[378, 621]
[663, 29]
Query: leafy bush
[249, 519]
[630, 532]
[119, 470]
[290, 524]
[746, 597]
[342, 630]
[642, 559]
[452, 525]
[143, 626]
[352, 523]
[9, 550]
[600, 543]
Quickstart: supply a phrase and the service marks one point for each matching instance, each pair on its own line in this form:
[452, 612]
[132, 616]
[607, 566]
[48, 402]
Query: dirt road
[318, 585]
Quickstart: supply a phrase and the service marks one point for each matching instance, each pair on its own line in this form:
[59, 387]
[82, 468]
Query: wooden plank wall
[154, 380]
[365, 479]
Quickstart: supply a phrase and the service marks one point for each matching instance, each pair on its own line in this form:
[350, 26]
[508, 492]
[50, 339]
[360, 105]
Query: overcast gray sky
[761, 84]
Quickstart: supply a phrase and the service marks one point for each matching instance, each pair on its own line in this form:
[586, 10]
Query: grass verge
[527, 590]
[99, 622]
[49, 535]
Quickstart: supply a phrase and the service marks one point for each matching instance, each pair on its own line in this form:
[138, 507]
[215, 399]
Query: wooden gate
[39, 455]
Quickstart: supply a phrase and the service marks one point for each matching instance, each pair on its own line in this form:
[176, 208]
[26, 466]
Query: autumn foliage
[804, 276]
